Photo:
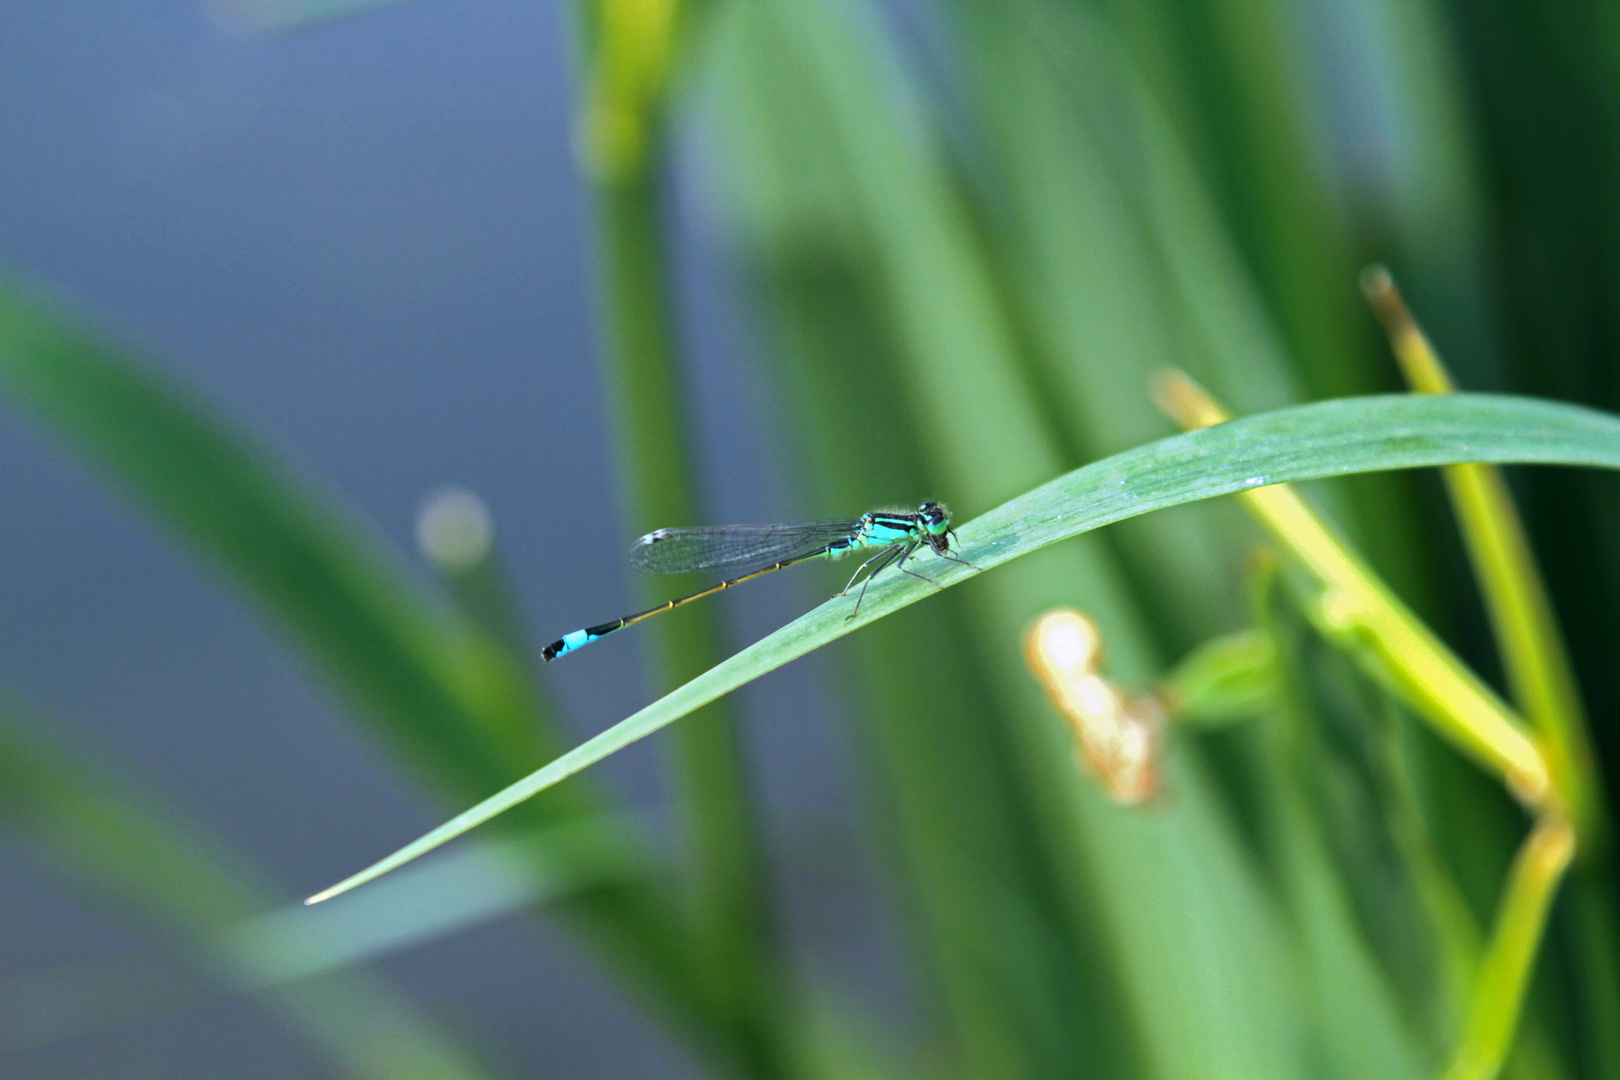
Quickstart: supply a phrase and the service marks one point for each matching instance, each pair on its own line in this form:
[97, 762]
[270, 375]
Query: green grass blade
[1327, 439]
[491, 880]
[94, 828]
[1078, 224]
[1042, 947]
[433, 685]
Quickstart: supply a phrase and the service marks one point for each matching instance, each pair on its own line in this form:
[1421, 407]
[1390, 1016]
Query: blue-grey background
[369, 242]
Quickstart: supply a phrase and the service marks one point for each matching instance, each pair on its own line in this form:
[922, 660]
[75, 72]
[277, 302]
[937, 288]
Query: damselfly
[751, 551]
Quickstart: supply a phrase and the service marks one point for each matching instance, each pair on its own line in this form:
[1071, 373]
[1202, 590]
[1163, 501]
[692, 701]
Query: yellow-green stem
[1357, 606]
[1540, 677]
[1504, 974]
[1536, 664]
[1414, 663]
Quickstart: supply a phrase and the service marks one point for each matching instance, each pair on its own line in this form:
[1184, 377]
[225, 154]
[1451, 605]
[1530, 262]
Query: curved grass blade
[1307, 442]
[429, 680]
[102, 831]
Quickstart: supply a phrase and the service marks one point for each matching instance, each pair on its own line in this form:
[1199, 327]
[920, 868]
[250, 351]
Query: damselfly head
[936, 525]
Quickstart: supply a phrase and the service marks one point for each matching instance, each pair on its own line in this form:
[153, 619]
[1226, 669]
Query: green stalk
[1505, 972]
[726, 894]
[1539, 674]
[1361, 613]
[1538, 671]
[724, 875]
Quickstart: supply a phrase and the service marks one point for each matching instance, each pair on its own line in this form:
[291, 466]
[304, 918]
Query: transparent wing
[726, 549]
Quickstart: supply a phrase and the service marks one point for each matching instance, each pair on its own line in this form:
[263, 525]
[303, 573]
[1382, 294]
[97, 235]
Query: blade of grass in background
[1255, 303]
[1075, 220]
[435, 687]
[1246, 78]
[438, 688]
[92, 828]
[835, 158]
[912, 379]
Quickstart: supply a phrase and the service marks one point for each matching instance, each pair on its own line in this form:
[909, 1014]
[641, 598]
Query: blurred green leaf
[1044, 913]
[909, 362]
[488, 881]
[726, 900]
[429, 681]
[437, 687]
[1102, 231]
[93, 828]
[627, 48]
[1226, 679]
